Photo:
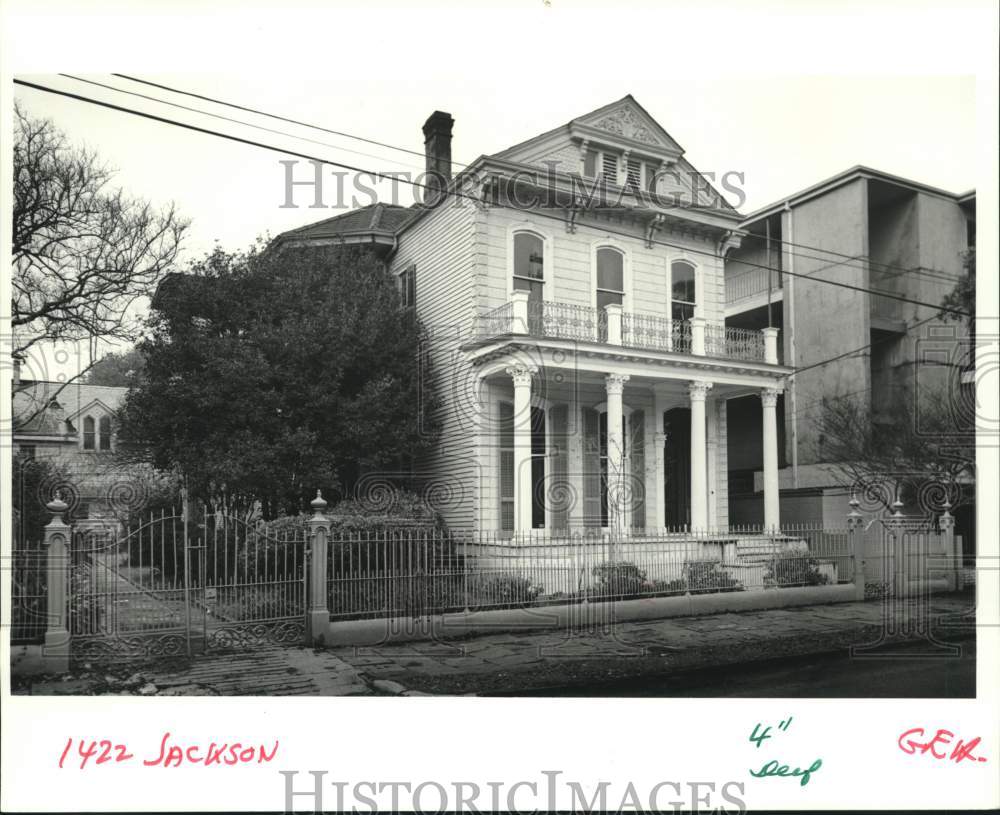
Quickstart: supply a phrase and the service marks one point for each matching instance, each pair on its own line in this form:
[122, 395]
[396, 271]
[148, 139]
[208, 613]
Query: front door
[677, 467]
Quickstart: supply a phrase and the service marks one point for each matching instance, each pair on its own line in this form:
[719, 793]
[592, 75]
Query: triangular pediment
[627, 123]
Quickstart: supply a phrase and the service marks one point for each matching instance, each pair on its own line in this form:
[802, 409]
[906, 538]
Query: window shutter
[637, 447]
[609, 167]
[633, 175]
[559, 491]
[592, 487]
[590, 164]
[506, 467]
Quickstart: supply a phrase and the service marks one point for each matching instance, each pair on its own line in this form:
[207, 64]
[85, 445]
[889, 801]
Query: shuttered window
[506, 467]
[104, 436]
[633, 175]
[609, 167]
[682, 290]
[408, 286]
[88, 433]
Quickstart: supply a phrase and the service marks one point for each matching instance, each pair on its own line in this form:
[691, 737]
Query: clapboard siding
[443, 248]
[572, 277]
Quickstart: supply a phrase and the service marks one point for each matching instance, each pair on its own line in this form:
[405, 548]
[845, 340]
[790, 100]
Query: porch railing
[749, 284]
[645, 331]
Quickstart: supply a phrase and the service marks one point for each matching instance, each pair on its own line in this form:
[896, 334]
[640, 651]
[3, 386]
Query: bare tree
[83, 251]
[920, 454]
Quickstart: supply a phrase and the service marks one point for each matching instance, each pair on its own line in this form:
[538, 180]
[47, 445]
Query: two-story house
[573, 289]
[872, 232]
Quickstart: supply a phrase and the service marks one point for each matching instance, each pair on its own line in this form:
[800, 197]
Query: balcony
[611, 325]
[753, 284]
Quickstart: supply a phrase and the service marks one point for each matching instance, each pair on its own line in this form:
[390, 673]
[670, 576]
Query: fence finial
[57, 506]
[854, 518]
[318, 504]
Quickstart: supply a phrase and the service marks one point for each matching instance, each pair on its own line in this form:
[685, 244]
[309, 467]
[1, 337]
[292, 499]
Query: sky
[782, 133]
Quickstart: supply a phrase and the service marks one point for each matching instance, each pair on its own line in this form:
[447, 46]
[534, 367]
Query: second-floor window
[682, 290]
[610, 277]
[529, 265]
[601, 164]
[97, 435]
[89, 433]
[408, 286]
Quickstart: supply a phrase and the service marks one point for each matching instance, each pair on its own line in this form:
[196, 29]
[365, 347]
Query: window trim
[92, 433]
[548, 278]
[608, 243]
[698, 304]
[405, 301]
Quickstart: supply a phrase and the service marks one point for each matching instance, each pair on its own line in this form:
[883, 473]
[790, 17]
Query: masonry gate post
[57, 538]
[855, 522]
[317, 613]
[946, 523]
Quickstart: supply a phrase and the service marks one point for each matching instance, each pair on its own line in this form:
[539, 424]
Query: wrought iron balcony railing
[611, 325]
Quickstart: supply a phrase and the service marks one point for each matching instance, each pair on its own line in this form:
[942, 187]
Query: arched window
[88, 433]
[682, 290]
[104, 436]
[529, 265]
[610, 277]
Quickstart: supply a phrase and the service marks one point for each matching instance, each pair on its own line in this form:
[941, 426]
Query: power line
[389, 146]
[269, 115]
[229, 119]
[259, 112]
[163, 120]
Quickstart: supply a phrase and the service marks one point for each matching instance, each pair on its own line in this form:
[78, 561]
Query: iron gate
[174, 585]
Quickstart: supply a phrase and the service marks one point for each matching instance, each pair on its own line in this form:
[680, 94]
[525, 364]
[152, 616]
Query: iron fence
[29, 595]
[734, 343]
[420, 572]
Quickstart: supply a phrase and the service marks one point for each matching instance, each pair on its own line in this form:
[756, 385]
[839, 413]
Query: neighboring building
[74, 427]
[870, 230]
[577, 339]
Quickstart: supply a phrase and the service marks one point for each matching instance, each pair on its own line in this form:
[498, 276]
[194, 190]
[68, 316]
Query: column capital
[615, 383]
[521, 374]
[769, 397]
[699, 390]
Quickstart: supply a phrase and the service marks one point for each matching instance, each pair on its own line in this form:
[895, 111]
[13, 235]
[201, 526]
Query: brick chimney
[437, 151]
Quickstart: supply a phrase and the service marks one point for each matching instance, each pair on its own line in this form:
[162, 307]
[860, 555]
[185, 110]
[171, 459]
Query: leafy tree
[116, 369]
[963, 296]
[270, 374]
[83, 251]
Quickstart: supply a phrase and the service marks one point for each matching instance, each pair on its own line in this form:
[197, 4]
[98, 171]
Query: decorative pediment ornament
[625, 123]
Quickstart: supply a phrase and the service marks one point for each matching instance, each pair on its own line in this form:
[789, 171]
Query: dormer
[93, 426]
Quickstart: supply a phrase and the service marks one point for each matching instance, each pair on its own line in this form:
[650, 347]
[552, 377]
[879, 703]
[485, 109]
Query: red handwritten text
[90, 753]
[915, 741]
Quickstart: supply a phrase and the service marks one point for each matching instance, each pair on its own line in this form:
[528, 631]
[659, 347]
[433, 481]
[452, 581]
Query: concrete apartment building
[866, 229]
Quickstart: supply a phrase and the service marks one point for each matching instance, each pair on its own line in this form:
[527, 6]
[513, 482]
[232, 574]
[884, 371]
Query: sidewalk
[519, 662]
[513, 662]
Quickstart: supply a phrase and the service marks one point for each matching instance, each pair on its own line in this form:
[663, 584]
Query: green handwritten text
[773, 768]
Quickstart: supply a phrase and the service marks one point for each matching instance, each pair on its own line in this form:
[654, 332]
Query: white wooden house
[573, 289]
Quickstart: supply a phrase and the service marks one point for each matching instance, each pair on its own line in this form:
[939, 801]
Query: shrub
[792, 569]
[503, 590]
[704, 577]
[619, 579]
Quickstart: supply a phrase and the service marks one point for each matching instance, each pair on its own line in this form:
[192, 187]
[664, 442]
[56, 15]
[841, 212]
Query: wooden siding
[572, 278]
[441, 246]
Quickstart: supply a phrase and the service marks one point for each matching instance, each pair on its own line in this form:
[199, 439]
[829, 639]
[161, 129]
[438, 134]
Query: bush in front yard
[791, 569]
[704, 577]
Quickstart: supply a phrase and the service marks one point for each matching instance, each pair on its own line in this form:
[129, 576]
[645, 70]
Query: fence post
[946, 523]
[57, 537]
[698, 336]
[614, 312]
[317, 614]
[855, 520]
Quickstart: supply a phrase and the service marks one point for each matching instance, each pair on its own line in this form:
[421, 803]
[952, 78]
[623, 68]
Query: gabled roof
[36, 397]
[622, 121]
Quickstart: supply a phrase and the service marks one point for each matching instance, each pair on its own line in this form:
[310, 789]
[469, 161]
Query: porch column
[618, 491]
[521, 375]
[699, 466]
[769, 400]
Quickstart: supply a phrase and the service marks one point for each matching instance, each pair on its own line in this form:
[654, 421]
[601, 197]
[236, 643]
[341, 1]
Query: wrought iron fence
[657, 333]
[496, 323]
[29, 594]
[416, 573]
[566, 321]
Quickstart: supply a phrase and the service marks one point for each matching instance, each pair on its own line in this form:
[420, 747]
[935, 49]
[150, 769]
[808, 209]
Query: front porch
[583, 438]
